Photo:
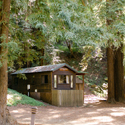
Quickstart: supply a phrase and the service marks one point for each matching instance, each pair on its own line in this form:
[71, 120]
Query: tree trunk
[42, 59]
[26, 49]
[110, 68]
[5, 9]
[118, 75]
[69, 45]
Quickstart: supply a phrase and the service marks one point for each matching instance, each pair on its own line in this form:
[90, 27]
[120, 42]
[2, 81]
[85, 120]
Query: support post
[33, 113]
[83, 88]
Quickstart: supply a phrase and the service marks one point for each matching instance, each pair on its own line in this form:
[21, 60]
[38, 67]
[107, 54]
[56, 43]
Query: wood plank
[73, 97]
[83, 87]
[53, 98]
[60, 98]
[67, 97]
[76, 98]
[81, 97]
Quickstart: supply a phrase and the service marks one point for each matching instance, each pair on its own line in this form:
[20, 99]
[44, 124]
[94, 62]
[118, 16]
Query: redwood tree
[119, 74]
[4, 20]
[114, 51]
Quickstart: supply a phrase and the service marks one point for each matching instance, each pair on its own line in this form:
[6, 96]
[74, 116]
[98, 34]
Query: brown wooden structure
[55, 84]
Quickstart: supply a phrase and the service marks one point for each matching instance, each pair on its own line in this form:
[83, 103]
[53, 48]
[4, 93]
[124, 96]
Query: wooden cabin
[54, 84]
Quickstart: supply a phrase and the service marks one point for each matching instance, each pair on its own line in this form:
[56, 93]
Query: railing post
[33, 113]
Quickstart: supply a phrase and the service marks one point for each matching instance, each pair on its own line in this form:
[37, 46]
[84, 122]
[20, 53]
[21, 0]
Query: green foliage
[43, 23]
[22, 76]
[97, 71]
[49, 24]
[14, 98]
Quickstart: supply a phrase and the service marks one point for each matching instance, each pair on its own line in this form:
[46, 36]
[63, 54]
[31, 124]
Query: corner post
[83, 87]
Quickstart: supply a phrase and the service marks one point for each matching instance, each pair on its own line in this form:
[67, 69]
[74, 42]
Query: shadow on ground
[99, 113]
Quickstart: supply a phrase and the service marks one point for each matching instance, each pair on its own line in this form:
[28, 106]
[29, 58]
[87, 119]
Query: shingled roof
[44, 69]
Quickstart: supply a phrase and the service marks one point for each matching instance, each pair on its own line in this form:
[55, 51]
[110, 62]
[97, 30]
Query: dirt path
[89, 114]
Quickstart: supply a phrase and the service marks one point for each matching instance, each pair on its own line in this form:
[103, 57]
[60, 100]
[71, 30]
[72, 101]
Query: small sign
[28, 86]
[63, 69]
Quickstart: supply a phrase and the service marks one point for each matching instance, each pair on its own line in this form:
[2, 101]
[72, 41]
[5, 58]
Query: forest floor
[99, 113]
[93, 112]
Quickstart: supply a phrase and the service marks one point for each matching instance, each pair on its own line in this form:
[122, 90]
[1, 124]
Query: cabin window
[55, 81]
[63, 79]
[33, 81]
[71, 81]
[44, 79]
[15, 81]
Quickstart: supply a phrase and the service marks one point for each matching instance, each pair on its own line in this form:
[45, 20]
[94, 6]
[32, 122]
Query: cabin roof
[44, 69]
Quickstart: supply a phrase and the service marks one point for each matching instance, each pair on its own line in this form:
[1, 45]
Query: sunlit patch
[117, 114]
[114, 110]
[103, 118]
[32, 0]
[56, 116]
[90, 113]
[15, 111]
[99, 109]
[74, 122]
[9, 96]
[27, 118]
[18, 98]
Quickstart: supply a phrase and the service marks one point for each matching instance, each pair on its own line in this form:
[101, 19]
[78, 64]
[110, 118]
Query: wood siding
[34, 79]
[44, 96]
[67, 97]
[79, 86]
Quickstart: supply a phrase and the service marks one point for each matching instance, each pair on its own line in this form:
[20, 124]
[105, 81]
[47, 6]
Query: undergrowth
[14, 98]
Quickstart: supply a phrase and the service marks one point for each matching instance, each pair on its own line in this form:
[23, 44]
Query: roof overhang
[81, 73]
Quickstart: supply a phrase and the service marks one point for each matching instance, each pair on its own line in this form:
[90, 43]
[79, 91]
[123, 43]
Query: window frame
[44, 79]
[55, 78]
[71, 81]
[66, 83]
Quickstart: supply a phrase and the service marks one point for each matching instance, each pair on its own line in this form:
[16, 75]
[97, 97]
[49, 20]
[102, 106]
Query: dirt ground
[91, 113]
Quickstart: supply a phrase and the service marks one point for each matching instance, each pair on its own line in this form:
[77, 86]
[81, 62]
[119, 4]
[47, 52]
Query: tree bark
[3, 57]
[110, 68]
[26, 49]
[115, 64]
[119, 75]
[69, 45]
[42, 59]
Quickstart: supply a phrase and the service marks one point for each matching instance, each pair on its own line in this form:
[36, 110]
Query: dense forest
[88, 35]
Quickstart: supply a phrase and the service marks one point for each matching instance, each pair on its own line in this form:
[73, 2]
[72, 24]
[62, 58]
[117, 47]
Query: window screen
[63, 79]
[44, 79]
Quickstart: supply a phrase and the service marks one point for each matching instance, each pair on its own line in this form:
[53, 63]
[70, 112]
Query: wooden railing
[67, 97]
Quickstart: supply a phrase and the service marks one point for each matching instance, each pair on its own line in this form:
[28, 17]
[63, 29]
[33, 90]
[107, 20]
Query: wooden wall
[35, 81]
[44, 96]
[35, 95]
[67, 97]
[79, 86]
